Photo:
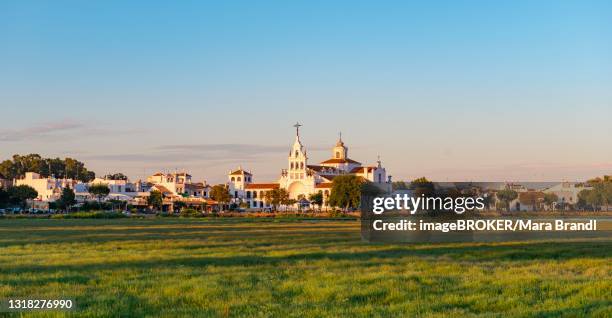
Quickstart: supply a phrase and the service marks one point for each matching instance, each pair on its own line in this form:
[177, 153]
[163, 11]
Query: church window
[296, 153]
[337, 154]
[291, 165]
[238, 179]
[301, 165]
[233, 179]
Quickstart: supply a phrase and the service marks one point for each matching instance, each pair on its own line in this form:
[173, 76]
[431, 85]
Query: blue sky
[452, 90]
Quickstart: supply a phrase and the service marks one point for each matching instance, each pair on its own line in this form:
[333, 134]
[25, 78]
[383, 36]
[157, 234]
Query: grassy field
[256, 267]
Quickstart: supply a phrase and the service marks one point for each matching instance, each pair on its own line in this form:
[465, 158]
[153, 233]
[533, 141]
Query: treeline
[599, 196]
[60, 168]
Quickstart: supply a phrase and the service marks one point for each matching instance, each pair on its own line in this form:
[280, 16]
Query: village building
[567, 192]
[48, 189]
[178, 183]
[301, 178]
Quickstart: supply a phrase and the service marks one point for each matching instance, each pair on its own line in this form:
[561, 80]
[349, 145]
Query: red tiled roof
[334, 160]
[262, 186]
[161, 188]
[362, 169]
[324, 185]
[329, 177]
[320, 168]
[194, 186]
[528, 197]
[240, 172]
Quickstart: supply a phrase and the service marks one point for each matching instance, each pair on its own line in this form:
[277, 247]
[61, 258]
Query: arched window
[301, 165]
[337, 154]
[254, 194]
[248, 194]
[291, 165]
[238, 179]
[296, 153]
[233, 179]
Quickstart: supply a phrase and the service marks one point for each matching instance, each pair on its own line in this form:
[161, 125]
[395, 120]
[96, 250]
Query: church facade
[301, 178]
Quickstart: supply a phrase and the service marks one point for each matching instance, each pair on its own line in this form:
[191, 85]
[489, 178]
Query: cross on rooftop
[297, 128]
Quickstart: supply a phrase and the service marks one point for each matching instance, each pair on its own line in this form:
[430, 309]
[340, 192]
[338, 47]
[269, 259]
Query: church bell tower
[340, 151]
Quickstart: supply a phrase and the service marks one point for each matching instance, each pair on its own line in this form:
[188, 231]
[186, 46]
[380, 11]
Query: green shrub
[189, 212]
[336, 214]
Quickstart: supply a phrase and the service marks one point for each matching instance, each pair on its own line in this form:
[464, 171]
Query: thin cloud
[229, 148]
[51, 130]
[197, 153]
[40, 130]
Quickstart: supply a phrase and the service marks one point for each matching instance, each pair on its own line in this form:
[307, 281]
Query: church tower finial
[297, 129]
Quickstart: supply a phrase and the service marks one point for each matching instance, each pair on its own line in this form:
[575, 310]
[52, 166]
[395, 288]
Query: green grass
[256, 267]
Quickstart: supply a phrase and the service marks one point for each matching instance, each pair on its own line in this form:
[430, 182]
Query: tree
[290, 202]
[116, 176]
[99, 190]
[600, 195]
[67, 199]
[4, 198]
[155, 200]
[346, 192]
[489, 200]
[179, 205]
[399, 185]
[19, 195]
[370, 189]
[61, 168]
[507, 196]
[316, 199]
[277, 197]
[550, 199]
[422, 187]
[220, 193]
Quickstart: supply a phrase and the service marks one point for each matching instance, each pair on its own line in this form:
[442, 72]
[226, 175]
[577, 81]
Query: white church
[301, 178]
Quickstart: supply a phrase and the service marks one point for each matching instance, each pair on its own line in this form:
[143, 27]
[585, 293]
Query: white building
[116, 186]
[567, 192]
[178, 183]
[301, 178]
[49, 189]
